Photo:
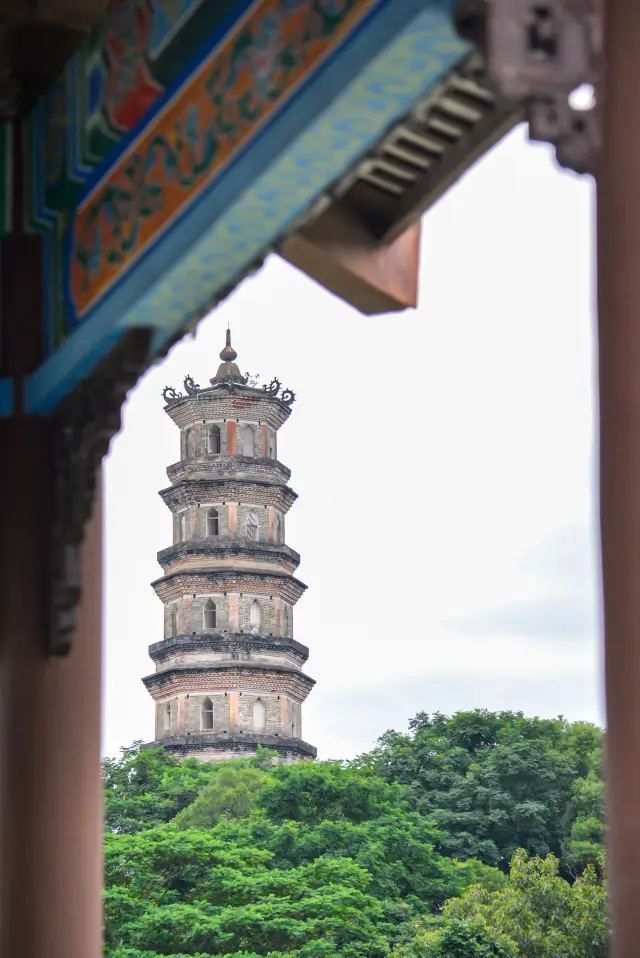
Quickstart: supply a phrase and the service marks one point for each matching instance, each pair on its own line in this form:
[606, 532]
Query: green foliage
[495, 782]
[231, 794]
[546, 916]
[327, 791]
[242, 857]
[391, 855]
[146, 787]
[468, 938]
[537, 914]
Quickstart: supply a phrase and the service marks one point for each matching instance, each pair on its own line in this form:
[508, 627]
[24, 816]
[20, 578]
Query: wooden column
[50, 786]
[618, 209]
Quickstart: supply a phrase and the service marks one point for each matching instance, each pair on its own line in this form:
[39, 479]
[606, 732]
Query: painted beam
[225, 164]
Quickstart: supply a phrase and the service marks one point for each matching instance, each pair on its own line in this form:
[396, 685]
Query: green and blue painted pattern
[218, 239]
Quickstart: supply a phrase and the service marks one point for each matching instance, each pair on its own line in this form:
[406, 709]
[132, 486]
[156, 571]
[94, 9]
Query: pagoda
[228, 673]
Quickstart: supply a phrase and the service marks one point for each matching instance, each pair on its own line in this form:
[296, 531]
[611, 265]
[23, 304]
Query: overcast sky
[445, 464]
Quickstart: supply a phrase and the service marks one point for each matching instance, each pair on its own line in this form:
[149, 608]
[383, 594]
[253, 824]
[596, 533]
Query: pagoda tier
[228, 672]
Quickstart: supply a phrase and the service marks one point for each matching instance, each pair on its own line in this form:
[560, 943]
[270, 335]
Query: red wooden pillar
[50, 786]
[618, 208]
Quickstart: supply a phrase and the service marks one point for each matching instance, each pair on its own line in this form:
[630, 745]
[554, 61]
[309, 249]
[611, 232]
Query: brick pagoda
[228, 673]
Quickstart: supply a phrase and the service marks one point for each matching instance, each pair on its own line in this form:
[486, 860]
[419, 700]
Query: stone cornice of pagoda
[229, 468]
[230, 642]
[177, 584]
[225, 551]
[234, 741]
[194, 492]
[244, 677]
[248, 405]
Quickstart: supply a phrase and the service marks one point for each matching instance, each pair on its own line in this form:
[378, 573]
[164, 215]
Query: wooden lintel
[338, 252]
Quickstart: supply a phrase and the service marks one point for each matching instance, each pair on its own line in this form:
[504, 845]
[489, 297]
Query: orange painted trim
[233, 710]
[181, 713]
[232, 438]
[270, 523]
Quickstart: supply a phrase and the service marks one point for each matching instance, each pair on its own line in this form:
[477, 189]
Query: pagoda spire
[228, 371]
[228, 354]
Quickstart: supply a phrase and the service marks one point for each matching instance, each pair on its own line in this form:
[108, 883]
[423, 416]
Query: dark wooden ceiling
[36, 39]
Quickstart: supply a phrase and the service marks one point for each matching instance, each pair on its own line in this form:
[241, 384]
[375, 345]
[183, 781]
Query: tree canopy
[394, 854]
[494, 782]
[536, 914]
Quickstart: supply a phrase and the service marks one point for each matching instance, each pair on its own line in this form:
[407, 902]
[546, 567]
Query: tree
[231, 794]
[495, 782]
[545, 915]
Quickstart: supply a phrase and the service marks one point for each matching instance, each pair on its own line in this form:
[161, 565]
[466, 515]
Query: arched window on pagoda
[255, 615]
[252, 526]
[210, 614]
[206, 715]
[213, 527]
[259, 716]
[248, 441]
[214, 439]
[167, 716]
[279, 536]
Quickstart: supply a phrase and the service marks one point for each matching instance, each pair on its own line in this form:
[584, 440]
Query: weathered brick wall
[193, 492]
[194, 620]
[163, 685]
[193, 707]
[178, 584]
[282, 715]
[233, 521]
[206, 439]
[233, 614]
[217, 467]
[219, 408]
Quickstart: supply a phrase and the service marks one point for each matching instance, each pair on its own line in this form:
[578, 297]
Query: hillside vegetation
[473, 836]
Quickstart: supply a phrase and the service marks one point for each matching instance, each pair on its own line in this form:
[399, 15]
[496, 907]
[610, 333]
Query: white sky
[444, 460]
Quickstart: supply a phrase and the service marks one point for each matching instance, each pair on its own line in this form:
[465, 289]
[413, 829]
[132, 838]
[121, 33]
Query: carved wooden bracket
[541, 53]
[83, 428]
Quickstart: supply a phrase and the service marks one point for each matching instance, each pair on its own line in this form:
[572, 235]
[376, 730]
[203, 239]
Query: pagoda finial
[228, 354]
[228, 371]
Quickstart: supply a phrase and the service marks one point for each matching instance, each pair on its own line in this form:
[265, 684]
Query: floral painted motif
[130, 90]
[206, 122]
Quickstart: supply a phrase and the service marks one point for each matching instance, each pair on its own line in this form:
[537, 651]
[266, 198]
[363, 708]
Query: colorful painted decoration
[186, 135]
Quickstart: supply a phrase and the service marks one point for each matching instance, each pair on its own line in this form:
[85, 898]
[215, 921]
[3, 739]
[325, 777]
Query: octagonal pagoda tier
[228, 673]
